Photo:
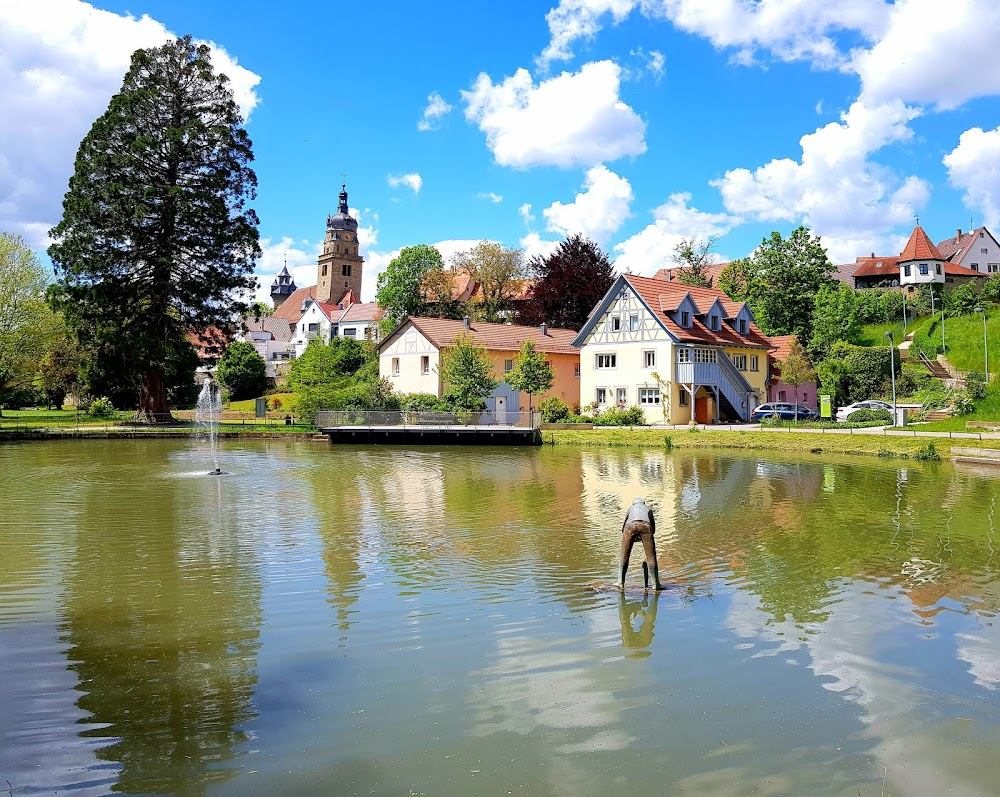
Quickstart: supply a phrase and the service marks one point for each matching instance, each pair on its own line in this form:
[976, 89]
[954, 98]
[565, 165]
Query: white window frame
[351, 332]
[601, 395]
[740, 361]
[633, 322]
[649, 397]
[754, 362]
[508, 366]
[649, 358]
[683, 355]
[924, 270]
[992, 268]
[395, 366]
[605, 362]
[425, 364]
[705, 356]
[621, 396]
[576, 370]
[616, 323]
[682, 397]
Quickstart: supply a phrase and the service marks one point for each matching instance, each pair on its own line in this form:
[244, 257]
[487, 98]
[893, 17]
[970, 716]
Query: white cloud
[535, 246]
[450, 248]
[300, 256]
[598, 212]
[496, 199]
[413, 181]
[573, 20]
[653, 247]
[835, 188]
[573, 119]
[974, 167]
[60, 63]
[436, 108]
[525, 213]
[646, 63]
[934, 53]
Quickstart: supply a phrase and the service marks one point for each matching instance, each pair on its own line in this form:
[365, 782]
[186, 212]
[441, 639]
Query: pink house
[778, 390]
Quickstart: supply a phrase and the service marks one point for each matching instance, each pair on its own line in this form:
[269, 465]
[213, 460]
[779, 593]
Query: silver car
[871, 404]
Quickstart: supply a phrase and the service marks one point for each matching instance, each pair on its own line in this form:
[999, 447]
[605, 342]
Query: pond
[347, 620]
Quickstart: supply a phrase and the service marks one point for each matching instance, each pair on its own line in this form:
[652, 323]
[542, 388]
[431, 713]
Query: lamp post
[892, 373]
[986, 348]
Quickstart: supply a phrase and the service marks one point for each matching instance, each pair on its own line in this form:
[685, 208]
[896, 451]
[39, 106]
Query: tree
[467, 374]
[28, 327]
[400, 293]
[567, 284]
[436, 289]
[692, 255]
[835, 317]
[500, 274]
[342, 374]
[531, 373]
[796, 370]
[739, 279]
[157, 239]
[242, 370]
[59, 368]
[259, 310]
[962, 301]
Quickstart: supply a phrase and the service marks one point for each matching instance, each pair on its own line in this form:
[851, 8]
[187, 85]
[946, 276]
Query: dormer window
[743, 326]
[713, 322]
[685, 318]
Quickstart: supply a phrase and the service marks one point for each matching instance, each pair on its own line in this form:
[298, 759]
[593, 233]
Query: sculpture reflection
[638, 638]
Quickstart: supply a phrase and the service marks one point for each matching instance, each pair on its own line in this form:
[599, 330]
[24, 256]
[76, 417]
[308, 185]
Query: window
[754, 362]
[576, 370]
[981, 235]
[633, 322]
[649, 359]
[395, 366]
[683, 398]
[684, 355]
[938, 268]
[740, 361]
[324, 270]
[621, 396]
[685, 318]
[743, 326]
[508, 366]
[713, 322]
[351, 332]
[974, 266]
[649, 396]
[346, 270]
[923, 268]
[602, 395]
[607, 360]
[906, 271]
[425, 364]
[547, 363]
[781, 395]
[993, 268]
[313, 329]
[616, 323]
[705, 356]
[983, 251]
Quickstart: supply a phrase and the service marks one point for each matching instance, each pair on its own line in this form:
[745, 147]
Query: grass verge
[860, 444]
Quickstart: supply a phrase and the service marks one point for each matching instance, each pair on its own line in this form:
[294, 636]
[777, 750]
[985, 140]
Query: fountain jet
[208, 412]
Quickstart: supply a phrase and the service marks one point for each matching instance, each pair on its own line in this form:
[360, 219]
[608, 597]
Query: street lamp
[986, 348]
[892, 373]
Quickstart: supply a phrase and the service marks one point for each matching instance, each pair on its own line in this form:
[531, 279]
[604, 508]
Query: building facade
[339, 268]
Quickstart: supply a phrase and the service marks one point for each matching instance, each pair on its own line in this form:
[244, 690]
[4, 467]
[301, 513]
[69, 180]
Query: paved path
[871, 430]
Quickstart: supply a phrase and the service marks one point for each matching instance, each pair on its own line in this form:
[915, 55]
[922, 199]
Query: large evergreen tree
[157, 238]
[568, 284]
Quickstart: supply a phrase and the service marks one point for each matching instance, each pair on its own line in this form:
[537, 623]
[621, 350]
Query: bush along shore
[920, 448]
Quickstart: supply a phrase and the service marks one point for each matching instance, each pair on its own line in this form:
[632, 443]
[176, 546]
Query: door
[701, 411]
[501, 409]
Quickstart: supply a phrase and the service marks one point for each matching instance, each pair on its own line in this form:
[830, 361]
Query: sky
[635, 122]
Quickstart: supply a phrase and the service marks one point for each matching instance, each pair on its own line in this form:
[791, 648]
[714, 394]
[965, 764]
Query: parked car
[872, 404]
[783, 410]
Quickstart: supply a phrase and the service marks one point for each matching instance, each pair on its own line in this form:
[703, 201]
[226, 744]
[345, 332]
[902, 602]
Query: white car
[844, 412]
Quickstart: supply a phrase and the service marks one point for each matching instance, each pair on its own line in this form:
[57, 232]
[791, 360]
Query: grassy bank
[861, 444]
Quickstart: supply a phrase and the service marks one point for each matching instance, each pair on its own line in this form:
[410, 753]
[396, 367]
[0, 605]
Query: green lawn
[964, 339]
[248, 405]
[874, 334]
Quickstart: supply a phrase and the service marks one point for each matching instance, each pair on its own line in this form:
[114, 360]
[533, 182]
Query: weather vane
[343, 179]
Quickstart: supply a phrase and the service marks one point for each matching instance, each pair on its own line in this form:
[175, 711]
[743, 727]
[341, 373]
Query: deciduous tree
[835, 317]
[567, 284]
[691, 256]
[467, 374]
[530, 374]
[157, 238]
[796, 370]
[242, 370]
[500, 272]
[400, 287]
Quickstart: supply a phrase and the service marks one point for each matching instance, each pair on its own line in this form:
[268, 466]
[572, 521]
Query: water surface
[347, 620]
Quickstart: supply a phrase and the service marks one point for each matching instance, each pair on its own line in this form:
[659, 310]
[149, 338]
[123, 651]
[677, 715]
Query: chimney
[303, 307]
[467, 322]
[958, 235]
[873, 255]
[545, 329]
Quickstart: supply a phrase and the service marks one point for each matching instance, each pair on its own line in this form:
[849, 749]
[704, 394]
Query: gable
[622, 302]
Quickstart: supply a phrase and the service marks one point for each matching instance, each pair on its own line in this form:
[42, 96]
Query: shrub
[276, 404]
[928, 452]
[554, 409]
[668, 443]
[577, 418]
[422, 402]
[991, 290]
[961, 403]
[864, 415]
[616, 416]
[912, 379]
[864, 371]
[101, 408]
[242, 370]
[975, 383]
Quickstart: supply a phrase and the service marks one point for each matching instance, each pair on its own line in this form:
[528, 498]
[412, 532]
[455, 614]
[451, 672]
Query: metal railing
[330, 419]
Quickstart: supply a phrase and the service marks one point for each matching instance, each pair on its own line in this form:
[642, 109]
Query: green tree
[467, 374]
[28, 327]
[789, 274]
[835, 317]
[157, 239]
[259, 310]
[567, 284]
[692, 255]
[242, 370]
[739, 280]
[530, 374]
[961, 301]
[339, 375]
[499, 270]
[59, 368]
[991, 290]
[400, 287]
[796, 370]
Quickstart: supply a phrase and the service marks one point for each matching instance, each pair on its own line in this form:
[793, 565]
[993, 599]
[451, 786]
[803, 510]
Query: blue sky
[636, 123]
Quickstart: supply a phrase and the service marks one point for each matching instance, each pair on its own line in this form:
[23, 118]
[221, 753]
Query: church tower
[339, 268]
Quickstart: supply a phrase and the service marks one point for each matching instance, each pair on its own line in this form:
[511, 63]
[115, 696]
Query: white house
[358, 321]
[681, 353]
[976, 250]
[323, 321]
[962, 259]
[271, 337]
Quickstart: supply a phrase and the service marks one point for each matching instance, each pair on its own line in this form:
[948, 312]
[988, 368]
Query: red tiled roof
[348, 298]
[711, 272]
[494, 337]
[957, 244]
[961, 271]
[291, 308]
[878, 267]
[781, 346]
[360, 311]
[919, 247]
[846, 272]
[660, 294]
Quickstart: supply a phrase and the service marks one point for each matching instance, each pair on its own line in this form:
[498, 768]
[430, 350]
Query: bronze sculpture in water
[639, 525]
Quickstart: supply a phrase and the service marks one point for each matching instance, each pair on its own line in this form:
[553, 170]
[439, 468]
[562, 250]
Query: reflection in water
[645, 609]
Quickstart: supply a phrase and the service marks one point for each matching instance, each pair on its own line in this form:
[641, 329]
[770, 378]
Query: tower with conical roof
[339, 269]
[282, 287]
[920, 262]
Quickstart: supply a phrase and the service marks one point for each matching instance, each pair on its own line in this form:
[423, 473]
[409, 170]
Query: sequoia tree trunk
[153, 405]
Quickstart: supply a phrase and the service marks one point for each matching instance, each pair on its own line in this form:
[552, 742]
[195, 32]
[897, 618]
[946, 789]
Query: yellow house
[679, 352]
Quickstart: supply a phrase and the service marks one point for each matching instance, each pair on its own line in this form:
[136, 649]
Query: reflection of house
[777, 390]
[710, 356]
[410, 358]
[959, 260]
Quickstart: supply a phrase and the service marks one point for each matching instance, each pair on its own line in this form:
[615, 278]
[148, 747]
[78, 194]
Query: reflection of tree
[161, 616]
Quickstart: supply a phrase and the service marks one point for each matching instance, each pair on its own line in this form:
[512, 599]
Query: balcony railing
[331, 419]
